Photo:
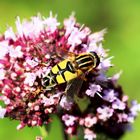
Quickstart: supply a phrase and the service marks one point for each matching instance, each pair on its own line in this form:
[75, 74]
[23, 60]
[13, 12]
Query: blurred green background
[121, 17]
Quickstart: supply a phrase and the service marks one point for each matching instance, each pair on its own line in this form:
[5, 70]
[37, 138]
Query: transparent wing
[73, 87]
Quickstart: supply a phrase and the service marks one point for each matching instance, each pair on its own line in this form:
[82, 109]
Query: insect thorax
[60, 73]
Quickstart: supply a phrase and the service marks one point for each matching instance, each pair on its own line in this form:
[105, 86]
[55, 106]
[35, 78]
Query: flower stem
[43, 132]
[66, 136]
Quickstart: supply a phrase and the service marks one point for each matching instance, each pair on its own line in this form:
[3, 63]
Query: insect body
[71, 68]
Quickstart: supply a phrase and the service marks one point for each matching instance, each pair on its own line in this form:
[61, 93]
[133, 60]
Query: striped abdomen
[87, 61]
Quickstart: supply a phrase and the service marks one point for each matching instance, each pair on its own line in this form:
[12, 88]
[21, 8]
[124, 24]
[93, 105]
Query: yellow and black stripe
[87, 60]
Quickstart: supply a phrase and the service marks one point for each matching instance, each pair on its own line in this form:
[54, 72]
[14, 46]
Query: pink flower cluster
[29, 54]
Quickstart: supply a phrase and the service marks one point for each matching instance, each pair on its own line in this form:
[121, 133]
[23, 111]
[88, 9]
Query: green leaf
[82, 102]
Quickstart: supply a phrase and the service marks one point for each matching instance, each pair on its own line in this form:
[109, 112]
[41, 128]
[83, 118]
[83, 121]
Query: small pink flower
[32, 63]
[90, 121]
[110, 95]
[115, 77]
[52, 100]
[69, 24]
[81, 121]
[69, 120]
[20, 126]
[30, 78]
[51, 23]
[101, 77]
[118, 104]
[75, 38]
[39, 138]
[3, 48]
[89, 134]
[29, 29]
[93, 89]
[65, 103]
[2, 112]
[70, 130]
[9, 34]
[135, 108]
[105, 64]
[130, 118]
[15, 52]
[2, 74]
[5, 99]
[95, 43]
[97, 36]
[125, 98]
[104, 113]
[122, 117]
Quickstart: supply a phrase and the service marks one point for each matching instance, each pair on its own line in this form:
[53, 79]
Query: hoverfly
[71, 68]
